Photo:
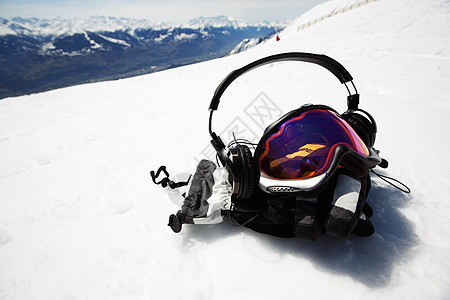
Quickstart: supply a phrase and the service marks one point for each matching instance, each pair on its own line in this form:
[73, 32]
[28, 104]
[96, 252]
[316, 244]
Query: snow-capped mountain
[246, 44]
[62, 26]
[59, 26]
[39, 54]
[219, 21]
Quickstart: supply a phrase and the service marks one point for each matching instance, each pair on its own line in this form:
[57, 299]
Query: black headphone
[239, 161]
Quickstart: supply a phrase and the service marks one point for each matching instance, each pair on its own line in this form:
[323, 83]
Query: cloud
[174, 10]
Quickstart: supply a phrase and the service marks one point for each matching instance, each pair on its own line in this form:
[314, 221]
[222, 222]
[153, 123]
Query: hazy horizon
[168, 11]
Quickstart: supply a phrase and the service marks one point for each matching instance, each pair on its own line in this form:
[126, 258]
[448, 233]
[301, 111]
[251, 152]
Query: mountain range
[40, 54]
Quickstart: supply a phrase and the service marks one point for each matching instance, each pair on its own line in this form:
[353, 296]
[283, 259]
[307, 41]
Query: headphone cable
[401, 186]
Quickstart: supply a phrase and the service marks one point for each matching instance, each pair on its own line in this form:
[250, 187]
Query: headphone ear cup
[363, 127]
[244, 163]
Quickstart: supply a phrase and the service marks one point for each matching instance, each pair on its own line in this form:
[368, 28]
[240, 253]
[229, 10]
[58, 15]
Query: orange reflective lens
[304, 146]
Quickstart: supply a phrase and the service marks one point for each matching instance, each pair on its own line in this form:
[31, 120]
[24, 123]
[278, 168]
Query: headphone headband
[327, 62]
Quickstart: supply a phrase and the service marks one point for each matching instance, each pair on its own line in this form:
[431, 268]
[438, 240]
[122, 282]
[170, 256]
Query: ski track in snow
[81, 219]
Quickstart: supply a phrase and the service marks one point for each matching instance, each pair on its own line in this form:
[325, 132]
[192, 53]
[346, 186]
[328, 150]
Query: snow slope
[80, 218]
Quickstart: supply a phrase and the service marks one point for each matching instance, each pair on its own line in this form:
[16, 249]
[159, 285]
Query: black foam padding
[362, 127]
[247, 183]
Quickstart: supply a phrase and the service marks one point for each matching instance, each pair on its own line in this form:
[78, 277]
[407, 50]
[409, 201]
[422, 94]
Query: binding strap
[166, 181]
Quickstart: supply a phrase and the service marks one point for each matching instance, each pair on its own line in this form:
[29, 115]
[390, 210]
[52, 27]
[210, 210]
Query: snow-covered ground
[81, 219]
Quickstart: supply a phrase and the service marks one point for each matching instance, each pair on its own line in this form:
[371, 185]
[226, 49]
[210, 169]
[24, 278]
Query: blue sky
[159, 10]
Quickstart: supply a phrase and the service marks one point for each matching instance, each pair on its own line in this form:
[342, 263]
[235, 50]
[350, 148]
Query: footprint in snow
[120, 205]
[5, 238]
[44, 160]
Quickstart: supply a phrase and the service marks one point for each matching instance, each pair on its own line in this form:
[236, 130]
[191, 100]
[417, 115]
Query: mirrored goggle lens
[304, 146]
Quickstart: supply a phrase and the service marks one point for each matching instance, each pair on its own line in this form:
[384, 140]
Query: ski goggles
[308, 145]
